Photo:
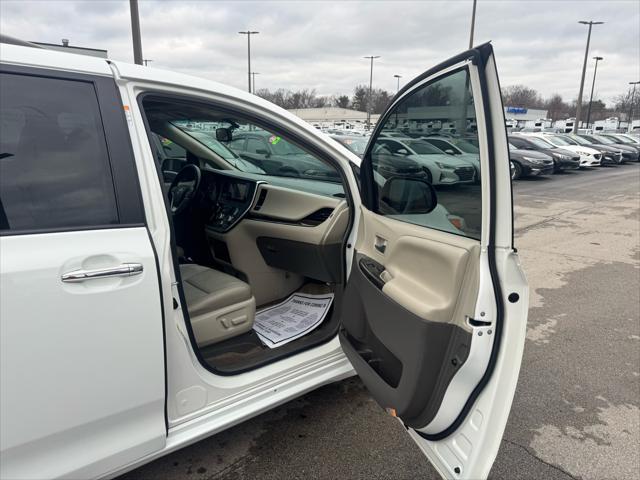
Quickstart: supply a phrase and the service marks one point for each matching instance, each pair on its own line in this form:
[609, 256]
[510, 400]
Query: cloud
[321, 44]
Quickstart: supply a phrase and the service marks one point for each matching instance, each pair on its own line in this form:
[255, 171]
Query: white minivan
[149, 273]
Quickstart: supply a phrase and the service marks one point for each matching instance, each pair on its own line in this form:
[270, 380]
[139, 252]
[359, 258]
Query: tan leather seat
[220, 306]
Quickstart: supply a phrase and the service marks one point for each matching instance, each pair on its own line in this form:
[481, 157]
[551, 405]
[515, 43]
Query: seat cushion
[206, 289]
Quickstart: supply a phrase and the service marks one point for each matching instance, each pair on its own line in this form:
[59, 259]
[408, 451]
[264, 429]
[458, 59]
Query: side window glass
[424, 125]
[54, 166]
[172, 149]
[173, 156]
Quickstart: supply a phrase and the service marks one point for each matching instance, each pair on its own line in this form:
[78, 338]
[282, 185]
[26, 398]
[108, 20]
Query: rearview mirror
[224, 134]
[406, 195]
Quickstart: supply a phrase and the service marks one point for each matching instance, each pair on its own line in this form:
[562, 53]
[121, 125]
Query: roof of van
[71, 62]
[43, 58]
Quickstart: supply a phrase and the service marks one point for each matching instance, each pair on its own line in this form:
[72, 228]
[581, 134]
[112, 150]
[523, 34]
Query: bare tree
[623, 103]
[294, 99]
[521, 96]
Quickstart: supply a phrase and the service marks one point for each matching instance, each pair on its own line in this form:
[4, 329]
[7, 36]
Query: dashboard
[272, 230]
[227, 199]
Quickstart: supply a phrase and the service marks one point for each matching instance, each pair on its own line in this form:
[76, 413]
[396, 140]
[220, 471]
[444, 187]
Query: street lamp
[370, 57]
[633, 99]
[398, 77]
[595, 70]
[248, 33]
[473, 24]
[253, 74]
[584, 71]
[135, 32]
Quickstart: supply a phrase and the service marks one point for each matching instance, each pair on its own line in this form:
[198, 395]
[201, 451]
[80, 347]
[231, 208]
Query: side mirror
[262, 151]
[402, 151]
[448, 151]
[406, 195]
[224, 134]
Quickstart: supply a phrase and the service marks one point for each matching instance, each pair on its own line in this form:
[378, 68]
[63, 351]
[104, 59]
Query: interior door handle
[380, 244]
[124, 270]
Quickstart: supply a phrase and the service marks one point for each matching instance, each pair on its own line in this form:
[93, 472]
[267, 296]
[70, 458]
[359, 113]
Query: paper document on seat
[296, 316]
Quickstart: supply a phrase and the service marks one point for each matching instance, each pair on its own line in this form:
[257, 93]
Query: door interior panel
[406, 306]
[410, 369]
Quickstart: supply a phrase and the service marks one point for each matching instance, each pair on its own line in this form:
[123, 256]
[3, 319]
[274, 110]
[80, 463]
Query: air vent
[317, 217]
[261, 198]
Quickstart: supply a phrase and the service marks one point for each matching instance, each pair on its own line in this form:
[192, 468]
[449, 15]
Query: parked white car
[440, 168]
[459, 147]
[589, 157]
[128, 315]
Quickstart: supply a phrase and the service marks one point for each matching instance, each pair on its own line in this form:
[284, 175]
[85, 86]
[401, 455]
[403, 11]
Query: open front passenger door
[435, 309]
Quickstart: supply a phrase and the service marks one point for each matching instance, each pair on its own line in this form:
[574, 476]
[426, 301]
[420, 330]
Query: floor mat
[291, 319]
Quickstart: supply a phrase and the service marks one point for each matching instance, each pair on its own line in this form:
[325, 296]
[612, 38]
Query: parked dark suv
[562, 159]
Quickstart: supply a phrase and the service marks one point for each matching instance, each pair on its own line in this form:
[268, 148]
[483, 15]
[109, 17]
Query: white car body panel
[69, 406]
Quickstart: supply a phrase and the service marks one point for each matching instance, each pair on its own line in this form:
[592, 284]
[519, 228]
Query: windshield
[571, 140]
[209, 141]
[279, 146]
[540, 143]
[465, 146]
[579, 140]
[423, 148]
[557, 140]
[356, 145]
[603, 140]
[619, 139]
[207, 138]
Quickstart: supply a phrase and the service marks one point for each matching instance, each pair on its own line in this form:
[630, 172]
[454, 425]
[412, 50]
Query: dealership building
[518, 116]
[333, 116]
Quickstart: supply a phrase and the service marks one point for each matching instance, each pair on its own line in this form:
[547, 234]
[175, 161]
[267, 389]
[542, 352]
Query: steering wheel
[184, 187]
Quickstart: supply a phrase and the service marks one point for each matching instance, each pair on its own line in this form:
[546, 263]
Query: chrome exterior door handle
[124, 270]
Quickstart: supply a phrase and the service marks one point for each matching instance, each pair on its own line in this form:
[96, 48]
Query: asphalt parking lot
[576, 411]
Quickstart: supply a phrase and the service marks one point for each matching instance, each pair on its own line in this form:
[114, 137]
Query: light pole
[253, 74]
[473, 24]
[370, 57]
[595, 70]
[398, 77]
[584, 71]
[248, 33]
[135, 32]
[633, 99]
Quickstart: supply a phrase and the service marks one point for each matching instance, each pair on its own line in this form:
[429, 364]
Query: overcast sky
[321, 44]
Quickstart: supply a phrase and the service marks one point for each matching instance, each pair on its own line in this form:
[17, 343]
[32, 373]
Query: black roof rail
[16, 41]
